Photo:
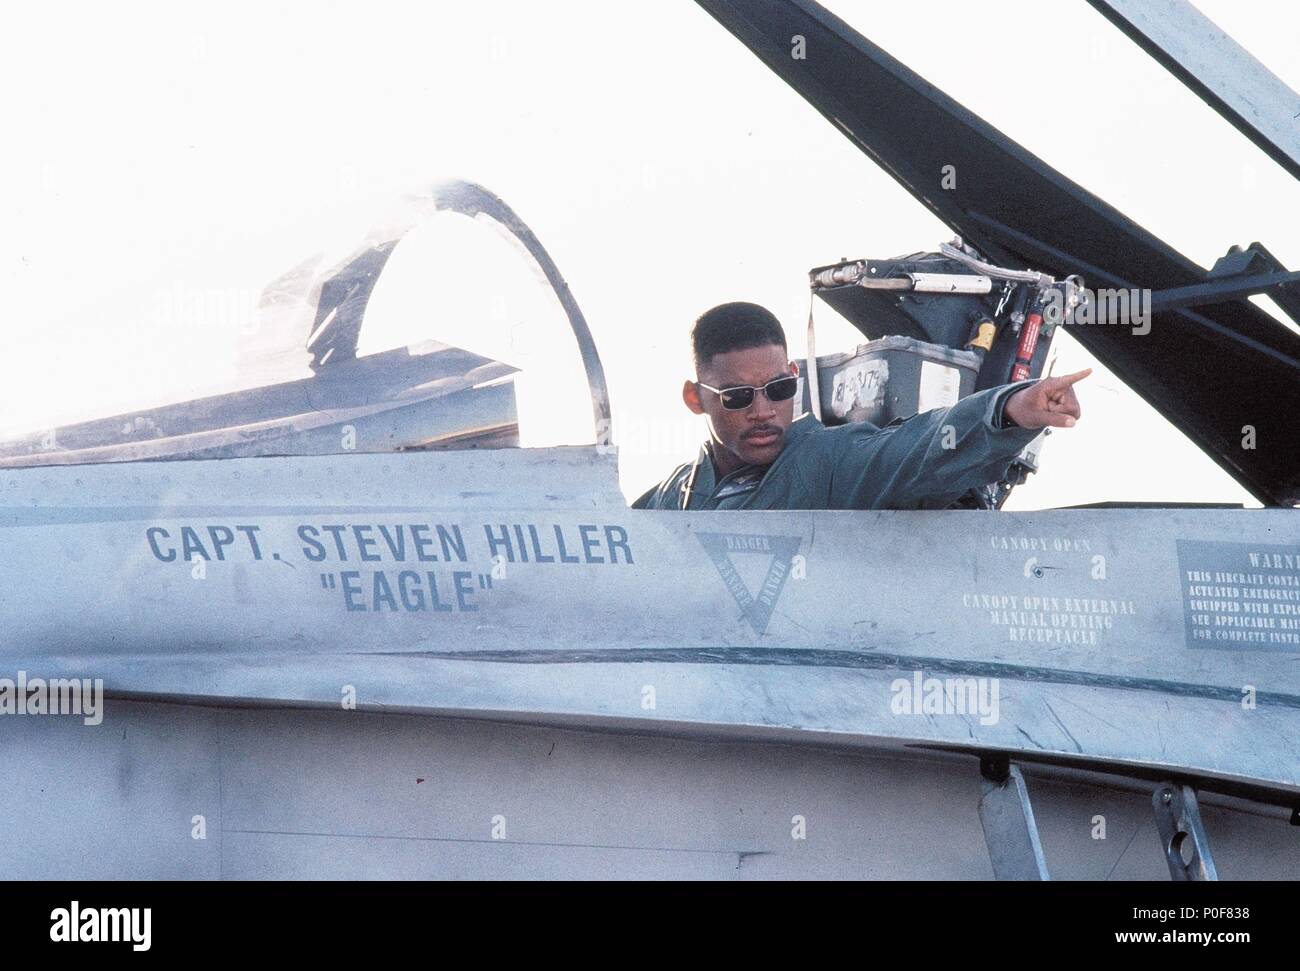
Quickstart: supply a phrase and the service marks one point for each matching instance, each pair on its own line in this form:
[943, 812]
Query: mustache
[763, 430]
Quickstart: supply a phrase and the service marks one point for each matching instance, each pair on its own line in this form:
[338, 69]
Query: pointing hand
[1050, 401]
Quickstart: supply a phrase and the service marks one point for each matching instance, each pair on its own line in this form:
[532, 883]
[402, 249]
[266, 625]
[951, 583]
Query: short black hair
[733, 327]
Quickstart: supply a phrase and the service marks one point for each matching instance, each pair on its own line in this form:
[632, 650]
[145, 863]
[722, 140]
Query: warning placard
[1240, 596]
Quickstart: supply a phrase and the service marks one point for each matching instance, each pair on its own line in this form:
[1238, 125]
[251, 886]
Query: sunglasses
[742, 396]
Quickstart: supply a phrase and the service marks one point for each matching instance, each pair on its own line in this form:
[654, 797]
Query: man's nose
[762, 408]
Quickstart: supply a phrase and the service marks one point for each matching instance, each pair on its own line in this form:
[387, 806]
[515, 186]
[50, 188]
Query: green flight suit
[860, 466]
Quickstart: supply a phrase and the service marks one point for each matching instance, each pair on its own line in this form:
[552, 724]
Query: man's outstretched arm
[934, 457]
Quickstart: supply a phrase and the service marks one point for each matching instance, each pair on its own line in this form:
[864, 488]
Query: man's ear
[691, 395]
[794, 368]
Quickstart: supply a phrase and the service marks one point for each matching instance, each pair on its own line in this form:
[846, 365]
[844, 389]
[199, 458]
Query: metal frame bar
[1220, 291]
[1216, 69]
[1178, 820]
[1007, 817]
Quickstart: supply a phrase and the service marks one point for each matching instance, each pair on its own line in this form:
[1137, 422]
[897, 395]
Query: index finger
[1065, 380]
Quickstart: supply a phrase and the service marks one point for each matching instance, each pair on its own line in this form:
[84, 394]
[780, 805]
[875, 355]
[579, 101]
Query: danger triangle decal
[756, 606]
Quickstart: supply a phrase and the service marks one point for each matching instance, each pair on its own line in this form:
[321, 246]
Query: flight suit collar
[702, 485]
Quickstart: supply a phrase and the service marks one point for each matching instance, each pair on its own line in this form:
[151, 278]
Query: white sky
[164, 162]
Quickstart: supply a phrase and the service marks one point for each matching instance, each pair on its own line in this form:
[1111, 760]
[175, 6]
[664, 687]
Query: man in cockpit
[759, 457]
